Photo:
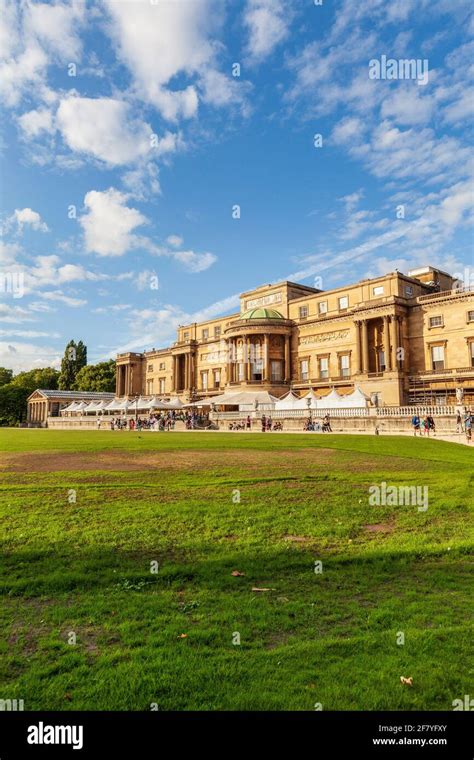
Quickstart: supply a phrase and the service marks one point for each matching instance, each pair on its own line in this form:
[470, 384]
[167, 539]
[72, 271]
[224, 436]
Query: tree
[96, 377]
[75, 357]
[13, 406]
[5, 376]
[46, 377]
[13, 395]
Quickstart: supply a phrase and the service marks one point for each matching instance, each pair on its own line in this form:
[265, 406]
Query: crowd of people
[465, 423]
[157, 421]
[165, 421]
[423, 425]
[266, 422]
[318, 426]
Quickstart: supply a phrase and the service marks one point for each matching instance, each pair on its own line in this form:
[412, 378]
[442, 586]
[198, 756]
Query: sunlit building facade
[401, 338]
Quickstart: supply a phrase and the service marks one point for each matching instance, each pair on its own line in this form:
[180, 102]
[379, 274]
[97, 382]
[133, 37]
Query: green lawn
[166, 638]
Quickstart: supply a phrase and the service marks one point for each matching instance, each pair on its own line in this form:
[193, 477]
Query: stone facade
[401, 338]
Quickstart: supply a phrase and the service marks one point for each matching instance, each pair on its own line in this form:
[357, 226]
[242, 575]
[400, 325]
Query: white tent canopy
[73, 407]
[117, 405]
[334, 400]
[289, 401]
[310, 397]
[96, 406]
[245, 400]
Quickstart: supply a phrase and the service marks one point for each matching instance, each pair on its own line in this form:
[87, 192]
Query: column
[266, 374]
[287, 373]
[173, 380]
[386, 343]
[365, 346]
[186, 371]
[401, 338]
[394, 340]
[229, 360]
[248, 356]
[357, 352]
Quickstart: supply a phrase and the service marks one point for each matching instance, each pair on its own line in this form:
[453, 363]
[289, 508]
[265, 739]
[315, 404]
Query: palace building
[400, 338]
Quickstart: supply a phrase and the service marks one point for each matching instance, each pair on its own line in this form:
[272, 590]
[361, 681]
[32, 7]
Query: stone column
[173, 380]
[287, 373]
[386, 343]
[357, 352]
[394, 340]
[365, 346]
[229, 360]
[266, 374]
[186, 371]
[248, 356]
[190, 371]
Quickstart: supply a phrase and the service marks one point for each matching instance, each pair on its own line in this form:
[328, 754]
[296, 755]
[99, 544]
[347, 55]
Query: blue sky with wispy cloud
[128, 140]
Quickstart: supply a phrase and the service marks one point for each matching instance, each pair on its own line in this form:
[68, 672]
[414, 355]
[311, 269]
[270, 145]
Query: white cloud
[103, 128]
[34, 35]
[195, 262]
[37, 121]
[174, 240]
[28, 334]
[14, 314]
[158, 41]
[268, 23]
[109, 223]
[25, 356]
[221, 90]
[26, 216]
[58, 295]
[348, 131]
[408, 106]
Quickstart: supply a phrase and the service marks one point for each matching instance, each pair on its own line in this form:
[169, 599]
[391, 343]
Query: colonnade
[392, 341]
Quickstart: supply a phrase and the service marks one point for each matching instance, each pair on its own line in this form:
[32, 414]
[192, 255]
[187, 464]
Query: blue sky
[128, 140]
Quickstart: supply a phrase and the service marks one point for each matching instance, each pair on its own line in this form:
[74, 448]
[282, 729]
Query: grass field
[84, 514]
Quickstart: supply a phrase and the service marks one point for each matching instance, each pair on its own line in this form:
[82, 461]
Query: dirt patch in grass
[298, 539]
[380, 528]
[175, 461]
[304, 462]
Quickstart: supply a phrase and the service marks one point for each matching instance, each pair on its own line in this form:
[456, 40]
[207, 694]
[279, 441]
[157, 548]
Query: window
[217, 331]
[382, 365]
[437, 357]
[343, 303]
[323, 307]
[470, 316]
[241, 372]
[378, 290]
[436, 321]
[303, 311]
[162, 385]
[149, 368]
[344, 365]
[149, 387]
[186, 335]
[275, 367]
[217, 378]
[323, 366]
[304, 369]
[408, 291]
[162, 365]
[204, 380]
[205, 334]
[471, 349]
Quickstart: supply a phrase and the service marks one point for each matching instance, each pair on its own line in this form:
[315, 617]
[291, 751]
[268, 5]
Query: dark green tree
[96, 377]
[5, 375]
[13, 395]
[75, 357]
